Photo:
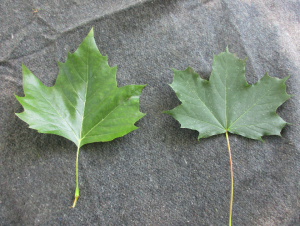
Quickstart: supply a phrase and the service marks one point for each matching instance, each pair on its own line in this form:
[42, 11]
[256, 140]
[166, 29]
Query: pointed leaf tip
[91, 33]
[24, 67]
[286, 78]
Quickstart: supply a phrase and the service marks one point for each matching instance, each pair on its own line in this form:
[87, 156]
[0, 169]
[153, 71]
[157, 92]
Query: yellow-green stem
[231, 172]
[77, 188]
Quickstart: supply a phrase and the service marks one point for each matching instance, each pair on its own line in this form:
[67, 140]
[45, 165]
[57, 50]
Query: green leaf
[85, 105]
[227, 102]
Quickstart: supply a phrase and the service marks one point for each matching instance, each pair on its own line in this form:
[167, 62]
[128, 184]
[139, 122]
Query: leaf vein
[50, 113]
[203, 102]
[249, 125]
[251, 107]
[200, 120]
[63, 128]
[76, 70]
[58, 113]
[102, 119]
[71, 102]
[72, 85]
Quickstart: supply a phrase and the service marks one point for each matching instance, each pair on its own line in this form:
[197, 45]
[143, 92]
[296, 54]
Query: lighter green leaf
[85, 105]
[227, 102]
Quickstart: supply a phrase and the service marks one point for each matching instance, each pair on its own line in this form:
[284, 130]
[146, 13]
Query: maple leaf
[227, 103]
[85, 105]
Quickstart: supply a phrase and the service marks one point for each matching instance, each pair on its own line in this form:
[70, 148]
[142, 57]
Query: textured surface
[159, 174]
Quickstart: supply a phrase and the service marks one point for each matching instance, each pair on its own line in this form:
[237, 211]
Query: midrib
[86, 88]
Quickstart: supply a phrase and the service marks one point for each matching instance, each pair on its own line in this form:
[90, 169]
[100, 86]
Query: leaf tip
[24, 68]
[286, 78]
[260, 139]
[290, 124]
[173, 69]
[91, 33]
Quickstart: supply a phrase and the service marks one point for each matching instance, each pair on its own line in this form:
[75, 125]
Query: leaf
[227, 102]
[85, 105]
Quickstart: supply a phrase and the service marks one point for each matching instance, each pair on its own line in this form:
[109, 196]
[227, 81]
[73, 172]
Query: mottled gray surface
[159, 174]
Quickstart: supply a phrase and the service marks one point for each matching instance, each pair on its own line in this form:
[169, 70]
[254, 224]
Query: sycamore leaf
[227, 102]
[85, 105]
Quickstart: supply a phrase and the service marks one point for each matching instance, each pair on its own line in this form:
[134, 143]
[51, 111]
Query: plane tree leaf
[227, 103]
[85, 105]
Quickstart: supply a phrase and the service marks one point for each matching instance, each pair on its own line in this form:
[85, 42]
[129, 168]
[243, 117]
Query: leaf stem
[77, 188]
[231, 172]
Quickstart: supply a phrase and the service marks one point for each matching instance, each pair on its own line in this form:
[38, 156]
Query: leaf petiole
[77, 188]
[231, 172]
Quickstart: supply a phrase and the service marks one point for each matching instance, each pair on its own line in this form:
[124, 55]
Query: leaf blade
[84, 91]
[228, 102]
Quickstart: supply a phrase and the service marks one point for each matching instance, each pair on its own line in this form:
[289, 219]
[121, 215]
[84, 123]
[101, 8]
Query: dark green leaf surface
[227, 102]
[85, 105]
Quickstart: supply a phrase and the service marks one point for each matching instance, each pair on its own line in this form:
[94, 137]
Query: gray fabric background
[159, 174]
